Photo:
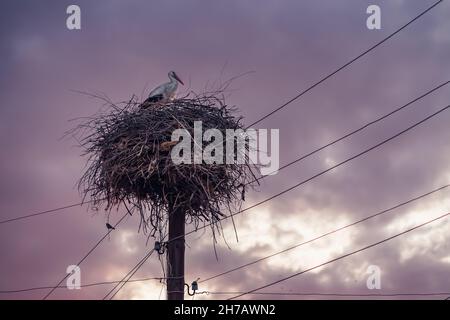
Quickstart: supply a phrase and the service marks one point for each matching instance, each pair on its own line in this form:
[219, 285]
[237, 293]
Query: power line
[129, 275]
[345, 65]
[325, 234]
[365, 126]
[341, 257]
[337, 294]
[85, 256]
[45, 212]
[93, 284]
[331, 294]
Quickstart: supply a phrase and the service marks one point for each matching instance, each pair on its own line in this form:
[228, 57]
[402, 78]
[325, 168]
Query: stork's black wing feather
[155, 98]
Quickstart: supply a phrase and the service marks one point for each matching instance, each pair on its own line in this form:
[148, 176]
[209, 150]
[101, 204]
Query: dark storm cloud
[126, 47]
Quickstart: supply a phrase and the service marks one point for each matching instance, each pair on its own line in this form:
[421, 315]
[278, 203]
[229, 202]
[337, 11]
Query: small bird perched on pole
[165, 92]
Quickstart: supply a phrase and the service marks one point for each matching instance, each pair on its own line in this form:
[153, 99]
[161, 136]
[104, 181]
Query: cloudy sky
[126, 48]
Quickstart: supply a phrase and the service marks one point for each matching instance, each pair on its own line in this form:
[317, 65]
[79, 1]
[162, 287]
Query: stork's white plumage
[165, 92]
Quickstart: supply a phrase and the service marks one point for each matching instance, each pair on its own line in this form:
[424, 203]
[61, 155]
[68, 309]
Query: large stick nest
[130, 163]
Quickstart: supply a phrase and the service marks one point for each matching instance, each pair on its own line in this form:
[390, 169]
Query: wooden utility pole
[175, 254]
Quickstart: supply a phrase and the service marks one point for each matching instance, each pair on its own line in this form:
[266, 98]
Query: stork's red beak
[178, 79]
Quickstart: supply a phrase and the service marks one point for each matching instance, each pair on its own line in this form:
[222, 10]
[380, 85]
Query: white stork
[165, 92]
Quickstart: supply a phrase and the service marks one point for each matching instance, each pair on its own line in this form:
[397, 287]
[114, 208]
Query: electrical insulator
[158, 246]
[194, 286]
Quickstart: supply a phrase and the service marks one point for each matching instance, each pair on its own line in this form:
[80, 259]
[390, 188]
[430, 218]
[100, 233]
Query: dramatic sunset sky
[127, 47]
